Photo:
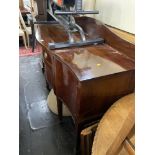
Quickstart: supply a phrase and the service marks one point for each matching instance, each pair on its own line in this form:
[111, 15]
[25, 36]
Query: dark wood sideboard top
[94, 61]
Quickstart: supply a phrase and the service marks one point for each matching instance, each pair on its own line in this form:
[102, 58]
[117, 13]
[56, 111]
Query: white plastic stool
[52, 104]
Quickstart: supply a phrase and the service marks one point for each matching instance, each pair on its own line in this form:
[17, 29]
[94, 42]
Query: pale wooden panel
[117, 13]
[124, 35]
[21, 4]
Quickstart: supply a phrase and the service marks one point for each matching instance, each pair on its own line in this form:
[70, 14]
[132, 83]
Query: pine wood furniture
[115, 132]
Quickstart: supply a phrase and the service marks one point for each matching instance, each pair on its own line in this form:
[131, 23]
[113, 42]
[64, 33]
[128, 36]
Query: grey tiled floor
[51, 136]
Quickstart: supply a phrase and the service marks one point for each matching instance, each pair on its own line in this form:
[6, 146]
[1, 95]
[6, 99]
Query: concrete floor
[54, 137]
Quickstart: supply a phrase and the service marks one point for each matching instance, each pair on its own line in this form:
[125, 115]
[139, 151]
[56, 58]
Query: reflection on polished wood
[90, 78]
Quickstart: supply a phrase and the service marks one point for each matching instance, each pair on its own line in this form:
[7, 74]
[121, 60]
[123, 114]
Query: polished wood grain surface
[87, 79]
[92, 28]
[99, 55]
[95, 61]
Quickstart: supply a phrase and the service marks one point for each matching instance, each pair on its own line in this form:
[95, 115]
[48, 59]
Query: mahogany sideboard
[87, 79]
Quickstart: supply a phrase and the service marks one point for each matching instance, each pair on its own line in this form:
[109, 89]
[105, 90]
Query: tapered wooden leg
[33, 38]
[59, 106]
[28, 40]
[78, 132]
[24, 39]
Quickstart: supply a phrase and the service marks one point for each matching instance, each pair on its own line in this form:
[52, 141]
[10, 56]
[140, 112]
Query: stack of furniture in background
[32, 18]
[119, 15]
[27, 19]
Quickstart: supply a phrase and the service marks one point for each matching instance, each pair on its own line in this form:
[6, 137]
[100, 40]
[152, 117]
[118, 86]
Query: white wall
[116, 13]
[89, 5]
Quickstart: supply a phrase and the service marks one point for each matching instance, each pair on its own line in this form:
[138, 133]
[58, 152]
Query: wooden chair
[32, 18]
[26, 29]
[34, 8]
[34, 13]
[22, 34]
[114, 133]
